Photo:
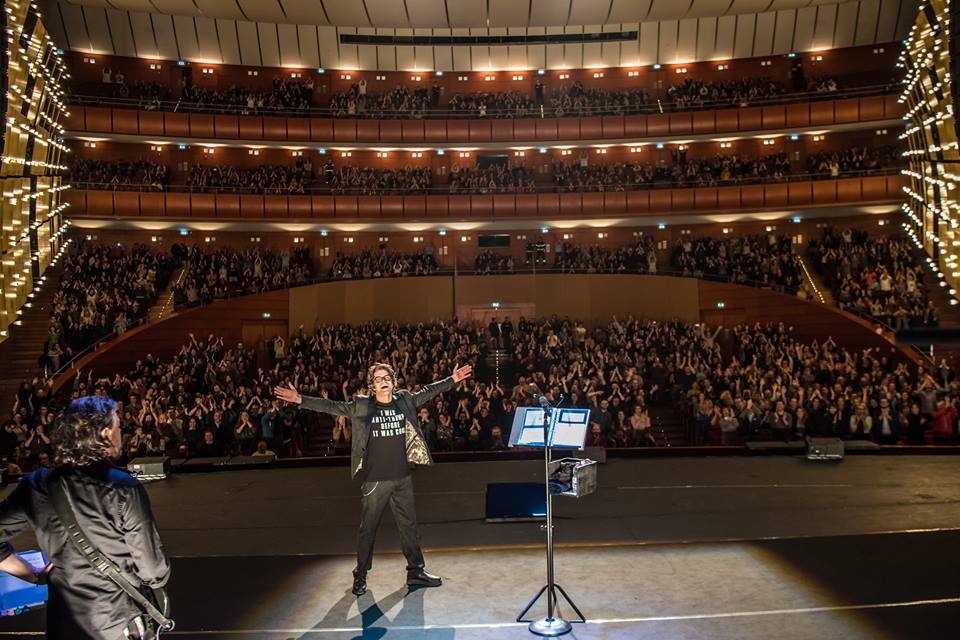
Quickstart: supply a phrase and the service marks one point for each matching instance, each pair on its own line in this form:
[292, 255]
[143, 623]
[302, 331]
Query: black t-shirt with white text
[386, 456]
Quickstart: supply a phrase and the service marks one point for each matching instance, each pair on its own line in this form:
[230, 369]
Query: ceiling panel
[703, 9]
[304, 11]
[803, 33]
[466, 13]
[309, 53]
[386, 58]
[846, 24]
[329, 57]
[550, 12]
[706, 38]
[867, 21]
[216, 9]
[405, 58]
[907, 17]
[748, 6]
[349, 54]
[249, 43]
[229, 41]
[97, 29]
[75, 27]
[368, 57]
[668, 41]
[887, 24]
[782, 5]
[499, 58]
[726, 34]
[166, 36]
[648, 42]
[573, 55]
[387, 13]
[55, 26]
[763, 38]
[187, 38]
[662, 10]
[687, 40]
[554, 53]
[611, 51]
[207, 39]
[289, 45]
[743, 40]
[263, 10]
[826, 23]
[443, 56]
[509, 13]
[424, 13]
[461, 58]
[632, 10]
[173, 7]
[143, 35]
[346, 13]
[587, 11]
[783, 35]
[123, 44]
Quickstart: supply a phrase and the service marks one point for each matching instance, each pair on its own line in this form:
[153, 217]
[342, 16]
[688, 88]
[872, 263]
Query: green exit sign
[266, 314]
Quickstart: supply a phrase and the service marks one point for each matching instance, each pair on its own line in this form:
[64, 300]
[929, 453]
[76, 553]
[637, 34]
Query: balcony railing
[866, 189]
[322, 130]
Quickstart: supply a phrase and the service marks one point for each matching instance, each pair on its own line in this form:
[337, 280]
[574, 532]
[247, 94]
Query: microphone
[542, 399]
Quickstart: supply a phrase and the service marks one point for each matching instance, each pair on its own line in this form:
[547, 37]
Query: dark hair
[76, 438]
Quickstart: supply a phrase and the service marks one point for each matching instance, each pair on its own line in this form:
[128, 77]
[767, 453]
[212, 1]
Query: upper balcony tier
[801, 111]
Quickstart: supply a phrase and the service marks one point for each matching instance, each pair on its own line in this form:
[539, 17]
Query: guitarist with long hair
[90, 498]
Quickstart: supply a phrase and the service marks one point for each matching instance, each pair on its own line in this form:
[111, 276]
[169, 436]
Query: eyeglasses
[379, 379]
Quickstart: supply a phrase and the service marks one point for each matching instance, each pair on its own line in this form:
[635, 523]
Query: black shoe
[359, 584]
[420, 578]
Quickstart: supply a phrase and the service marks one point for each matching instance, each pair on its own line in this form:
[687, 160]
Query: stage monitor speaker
[573, 477]
[149, 468]
[824, 449]
[515, 502]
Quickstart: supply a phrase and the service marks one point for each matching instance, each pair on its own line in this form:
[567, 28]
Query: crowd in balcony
[497, 104]
[123, 175]
[698, 94]
[401, 102]
[682, 171]
[213, 274]
[879, 276]
[577, 100]
[639, 257]
[496, 178]
[284, 96]
[103, 291]
[765, 260]
[383, 264]
[368, 181]
[854, 160]
[266, 179]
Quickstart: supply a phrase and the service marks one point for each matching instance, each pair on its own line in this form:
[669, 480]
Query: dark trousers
[376, 495]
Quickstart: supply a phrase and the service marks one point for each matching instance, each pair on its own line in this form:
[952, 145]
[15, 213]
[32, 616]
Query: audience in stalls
[880, 276]
[496, 178]
[739, 383]
[276, 180]
[214, 274]
[402, 102]
[765, 260]
[640, 257]
[286, 96]
[370, 181]
[855, 159]
[133, 175]
[490, 262]
[211, 399]
[383, 264]
[682, 171]
[502, 104]
[103, 290]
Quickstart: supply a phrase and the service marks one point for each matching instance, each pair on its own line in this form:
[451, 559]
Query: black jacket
[358, 412]
[113, 509]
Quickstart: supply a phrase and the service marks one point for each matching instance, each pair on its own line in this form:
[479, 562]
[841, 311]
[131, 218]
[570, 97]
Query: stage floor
[738, 548]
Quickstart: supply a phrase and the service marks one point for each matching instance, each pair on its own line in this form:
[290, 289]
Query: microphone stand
[553, 625]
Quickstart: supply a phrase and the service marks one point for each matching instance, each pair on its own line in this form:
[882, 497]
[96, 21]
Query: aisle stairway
[20, 352]
[164, 304]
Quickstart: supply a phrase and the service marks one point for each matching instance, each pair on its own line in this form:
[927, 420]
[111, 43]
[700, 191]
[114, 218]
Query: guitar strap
[63, 505]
